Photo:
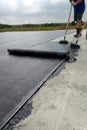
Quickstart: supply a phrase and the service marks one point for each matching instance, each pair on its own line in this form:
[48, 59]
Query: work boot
[78, 32]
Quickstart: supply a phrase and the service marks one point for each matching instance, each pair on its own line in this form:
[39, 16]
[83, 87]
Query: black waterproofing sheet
[48, 50]
[21, 76]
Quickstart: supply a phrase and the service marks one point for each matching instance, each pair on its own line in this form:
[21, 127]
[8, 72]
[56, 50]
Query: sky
[35, 11]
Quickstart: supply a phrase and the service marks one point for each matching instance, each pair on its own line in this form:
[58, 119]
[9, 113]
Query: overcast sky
[34, 11]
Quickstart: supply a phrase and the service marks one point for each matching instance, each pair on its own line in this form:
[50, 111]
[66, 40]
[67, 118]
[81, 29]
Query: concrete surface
[62, 103]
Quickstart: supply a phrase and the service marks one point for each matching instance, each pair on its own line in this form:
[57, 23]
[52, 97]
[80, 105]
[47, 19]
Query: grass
[36, 28]
[10, 29]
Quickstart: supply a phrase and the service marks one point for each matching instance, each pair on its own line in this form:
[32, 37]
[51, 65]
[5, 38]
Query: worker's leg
[79, 23]
[79, 28]
[75, 20]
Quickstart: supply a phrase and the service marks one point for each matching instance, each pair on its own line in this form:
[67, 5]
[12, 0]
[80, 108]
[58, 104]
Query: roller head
[63, 42]
[75, 46]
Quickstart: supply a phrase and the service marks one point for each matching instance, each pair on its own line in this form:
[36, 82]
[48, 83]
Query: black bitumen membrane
[21, 76]
[48, 50]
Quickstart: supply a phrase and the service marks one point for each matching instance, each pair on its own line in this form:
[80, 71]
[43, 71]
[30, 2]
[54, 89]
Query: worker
[79, 8]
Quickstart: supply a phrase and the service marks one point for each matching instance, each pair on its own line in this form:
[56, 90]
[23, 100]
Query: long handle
[68, 22]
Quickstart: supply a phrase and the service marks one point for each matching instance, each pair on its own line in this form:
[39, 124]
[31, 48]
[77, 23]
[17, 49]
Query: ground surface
[62, 103]
[19, 75]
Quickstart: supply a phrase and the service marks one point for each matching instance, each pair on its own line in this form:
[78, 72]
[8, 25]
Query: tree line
[4, 25]
[33, 25]
[37, 25]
